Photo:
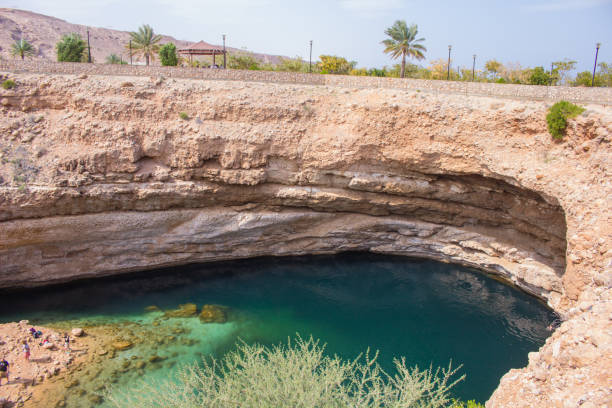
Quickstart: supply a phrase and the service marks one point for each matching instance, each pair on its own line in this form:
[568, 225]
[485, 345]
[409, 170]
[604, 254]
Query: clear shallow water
[427, 311]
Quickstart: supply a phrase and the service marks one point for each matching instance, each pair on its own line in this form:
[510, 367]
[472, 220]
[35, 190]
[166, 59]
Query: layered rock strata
[100, 175]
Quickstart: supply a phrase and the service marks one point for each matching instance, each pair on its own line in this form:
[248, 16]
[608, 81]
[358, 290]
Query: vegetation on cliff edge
[558, 115]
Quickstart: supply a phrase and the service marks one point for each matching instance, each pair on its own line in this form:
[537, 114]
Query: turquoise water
[427, 311]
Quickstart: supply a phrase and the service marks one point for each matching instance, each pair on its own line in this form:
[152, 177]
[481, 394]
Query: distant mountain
[43, 32]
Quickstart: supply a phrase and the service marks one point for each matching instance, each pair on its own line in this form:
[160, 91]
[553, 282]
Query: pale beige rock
[77, 332]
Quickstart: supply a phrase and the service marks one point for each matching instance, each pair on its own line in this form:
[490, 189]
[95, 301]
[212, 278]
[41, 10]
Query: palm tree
[145, 42]
[22, 48]
[403, 42]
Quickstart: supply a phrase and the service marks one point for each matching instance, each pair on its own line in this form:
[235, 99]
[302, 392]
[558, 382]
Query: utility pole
[88, 48]
[551, 72]
[448, 70]
[130, 52]
[224, 53]
[595, 66]
[310, 59]
[473, 67]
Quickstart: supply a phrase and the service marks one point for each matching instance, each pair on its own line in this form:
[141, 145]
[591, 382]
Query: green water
[427, 311]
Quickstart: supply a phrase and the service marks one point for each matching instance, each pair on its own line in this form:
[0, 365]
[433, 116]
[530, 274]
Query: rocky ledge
[105, 175]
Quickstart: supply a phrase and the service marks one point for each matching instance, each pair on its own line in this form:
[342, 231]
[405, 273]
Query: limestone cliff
[100, 175]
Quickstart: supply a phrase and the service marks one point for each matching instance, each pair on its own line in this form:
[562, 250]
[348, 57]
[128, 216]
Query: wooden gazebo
[202, 48]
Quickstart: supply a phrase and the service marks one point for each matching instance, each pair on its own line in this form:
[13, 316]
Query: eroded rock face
[100, 179]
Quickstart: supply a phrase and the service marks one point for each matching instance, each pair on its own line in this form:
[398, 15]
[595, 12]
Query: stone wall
[554, 93]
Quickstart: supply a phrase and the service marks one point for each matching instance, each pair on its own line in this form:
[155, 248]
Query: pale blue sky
[530, 32]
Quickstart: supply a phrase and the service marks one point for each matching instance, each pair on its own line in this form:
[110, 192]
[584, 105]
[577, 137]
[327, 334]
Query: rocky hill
[45, 31]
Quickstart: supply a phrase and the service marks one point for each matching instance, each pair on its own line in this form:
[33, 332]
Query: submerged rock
[185, 310]
[213, 314]
[122, 345]
[155, 359]
[152, 308]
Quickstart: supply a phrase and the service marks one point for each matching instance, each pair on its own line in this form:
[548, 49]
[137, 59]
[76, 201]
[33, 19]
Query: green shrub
[184, 116]
[167, 55]
[8, 84]
[558, 115]
[296, 375]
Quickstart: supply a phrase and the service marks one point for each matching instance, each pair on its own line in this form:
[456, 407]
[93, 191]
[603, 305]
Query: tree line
[401, 43]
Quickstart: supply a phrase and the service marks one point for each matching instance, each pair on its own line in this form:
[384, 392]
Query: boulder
[151, 308]
[77, 332]
[213, 314]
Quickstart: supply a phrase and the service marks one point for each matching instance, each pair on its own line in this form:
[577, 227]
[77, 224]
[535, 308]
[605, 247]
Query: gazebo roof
[201, 48]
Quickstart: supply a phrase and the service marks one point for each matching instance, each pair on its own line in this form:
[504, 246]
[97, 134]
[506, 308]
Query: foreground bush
[296, 375]
[558, 115]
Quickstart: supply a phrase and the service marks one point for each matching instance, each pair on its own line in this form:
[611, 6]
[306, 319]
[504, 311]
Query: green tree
[114, 59]
[403, 42]
[167, 55]
[332, 64]
[145, 42]
[71, 48]
[585, 78]
[494, 67]
[539, 76]
[561, 69]
[22, 48]
[244, 61]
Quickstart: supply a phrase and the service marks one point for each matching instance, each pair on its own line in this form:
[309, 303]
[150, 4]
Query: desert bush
[359, 72]
[296, 375]
[184, 116]
[8, 84]
[243, 62]
[294, 65]
[115, 60]
[558, 115]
